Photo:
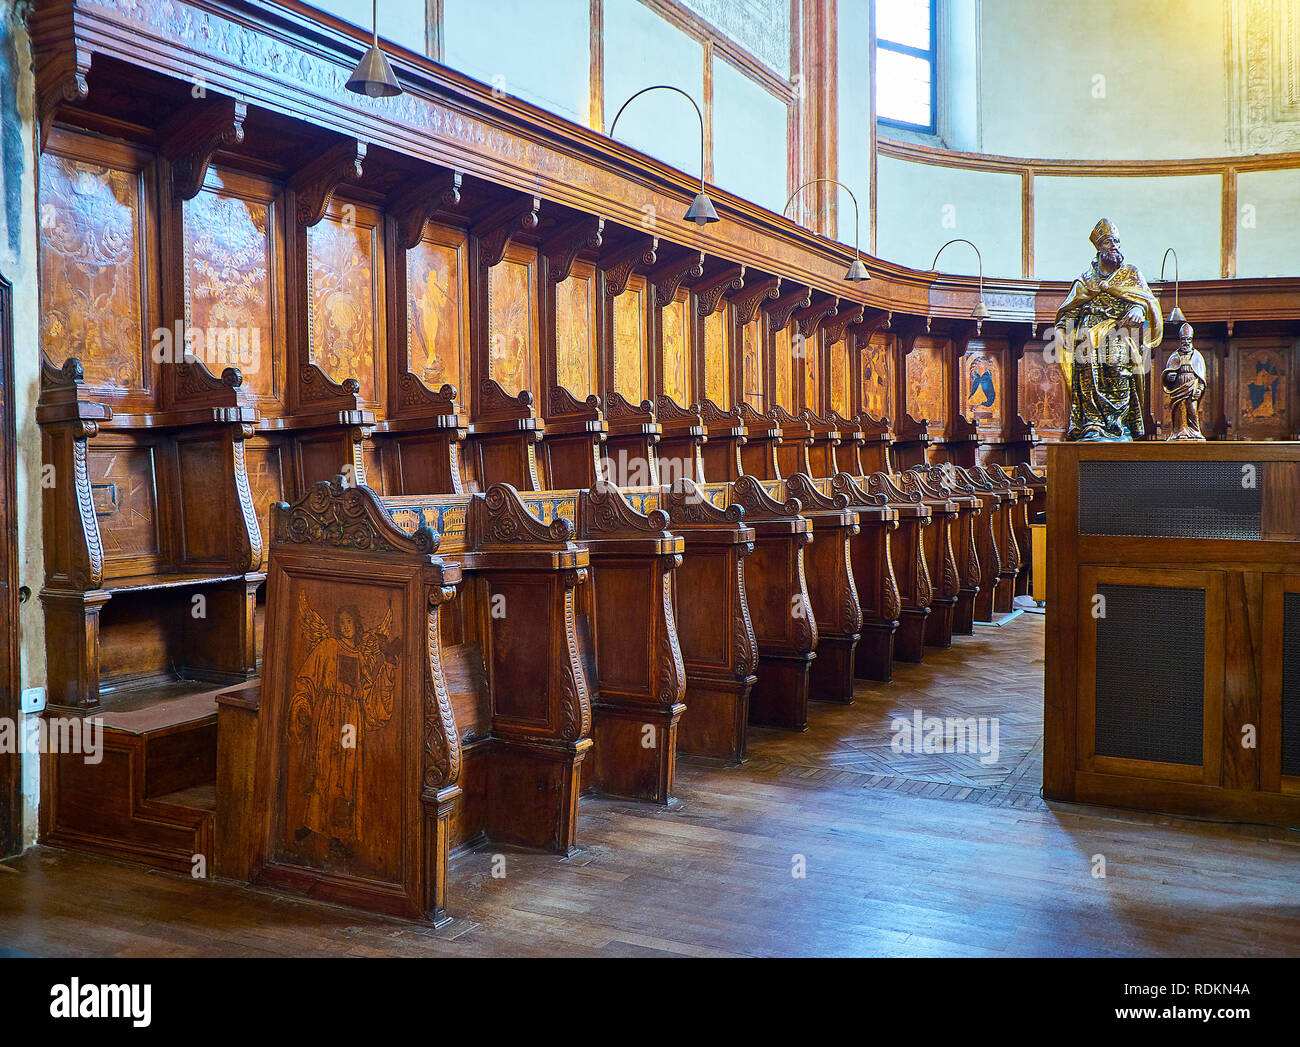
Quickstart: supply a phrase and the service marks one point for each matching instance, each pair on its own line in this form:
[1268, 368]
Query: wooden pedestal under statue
[1173, 628]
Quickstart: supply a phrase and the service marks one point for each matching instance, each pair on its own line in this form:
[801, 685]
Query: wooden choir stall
[476, 494]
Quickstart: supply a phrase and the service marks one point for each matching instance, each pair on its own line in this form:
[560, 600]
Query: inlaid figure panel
[927, 386]
[839, 377]
[234, 280]
[575, 331]
[783, 363]
[342, 751]
[345, 303]
[437, 318]
[677, 353]
[1262, 391]
[717, 367]
[96, 246]
[877, 363]
[513, 332]
[1044, 395]
[812, 371]
[630, 341]
[982, 386]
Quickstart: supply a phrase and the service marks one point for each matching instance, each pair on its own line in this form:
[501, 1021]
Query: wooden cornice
[413, 205]
[314, 185]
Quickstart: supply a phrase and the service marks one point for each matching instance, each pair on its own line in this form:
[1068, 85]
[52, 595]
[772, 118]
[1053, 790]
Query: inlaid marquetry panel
[630, 341]
[575, 331]
[345, 301]
[1044, 395]
[1261, 393]
[783, 362]
[812, 371]
[126, 503]
[96, 246]
[677, 353]
[234, 280]
[753, 364]
[927, 385]
[333, 807]
[839, 377]
[717, 357]
[982, 385]
[877, 363]
[437, 318]
[512, 320]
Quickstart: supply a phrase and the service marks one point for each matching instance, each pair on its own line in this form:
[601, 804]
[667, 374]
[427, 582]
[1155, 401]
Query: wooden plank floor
[904, 855]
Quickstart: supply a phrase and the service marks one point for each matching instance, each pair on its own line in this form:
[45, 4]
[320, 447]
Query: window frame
[932, 56]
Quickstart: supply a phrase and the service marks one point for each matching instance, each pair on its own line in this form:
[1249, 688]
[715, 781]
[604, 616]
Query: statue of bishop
[1107, 327]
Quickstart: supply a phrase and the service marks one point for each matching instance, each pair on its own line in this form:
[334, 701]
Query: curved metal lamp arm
[667, 87]
[980, 307]
[834, 181]
[1170, 251]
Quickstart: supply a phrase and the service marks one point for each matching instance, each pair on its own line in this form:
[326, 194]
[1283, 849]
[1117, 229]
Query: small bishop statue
[1184, 382]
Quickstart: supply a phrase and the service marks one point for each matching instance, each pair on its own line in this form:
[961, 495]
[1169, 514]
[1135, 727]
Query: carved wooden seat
[940, 557]
[633, 442]
[1010, 505]
[907, 556]
[503, 439]
[758, 454]
[964, 540]
[793, 447]
[412, 703]
[574, 446]
[827, 438]
[871, 554]
[725, 431]
[681, 449]
[989, 545]
[875, 451]
[153, 554]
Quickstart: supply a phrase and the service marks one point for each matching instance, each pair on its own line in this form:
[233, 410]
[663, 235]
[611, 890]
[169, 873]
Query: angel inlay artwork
[342, 692]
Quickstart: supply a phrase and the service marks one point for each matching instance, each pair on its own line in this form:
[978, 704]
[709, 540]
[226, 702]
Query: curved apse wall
[1105, 109]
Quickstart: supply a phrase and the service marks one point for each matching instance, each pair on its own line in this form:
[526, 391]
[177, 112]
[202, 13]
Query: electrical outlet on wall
[33, 699]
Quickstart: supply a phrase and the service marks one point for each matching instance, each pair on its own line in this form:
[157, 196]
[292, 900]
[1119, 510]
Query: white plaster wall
[853, 101]
[750, 138]
[919, 207]
[1267, 205]
[1163, 92]
[18, 254]
[401, 21]
[1182, 212]
[642, 49]
[540, 52]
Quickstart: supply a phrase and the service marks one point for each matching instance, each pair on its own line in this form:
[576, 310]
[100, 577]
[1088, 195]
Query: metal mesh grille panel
[1169, 499]
[1151, 674]
[1291, 684]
